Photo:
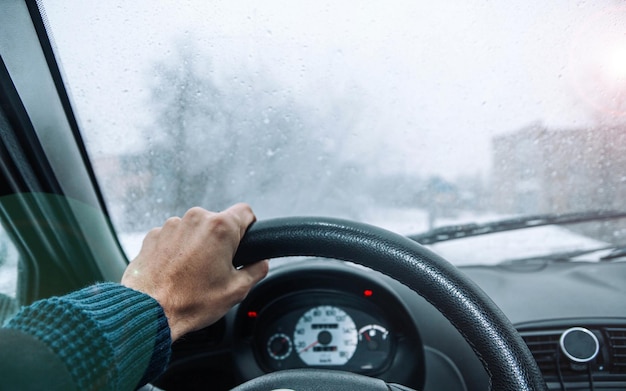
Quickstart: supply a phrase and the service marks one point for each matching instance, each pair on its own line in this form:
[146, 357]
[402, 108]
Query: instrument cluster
[325, 314]
[326, 332]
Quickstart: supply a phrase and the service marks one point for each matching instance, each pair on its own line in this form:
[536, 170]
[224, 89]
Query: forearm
[110, 337]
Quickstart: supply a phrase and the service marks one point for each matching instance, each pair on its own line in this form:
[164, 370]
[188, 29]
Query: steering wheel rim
[503, 353]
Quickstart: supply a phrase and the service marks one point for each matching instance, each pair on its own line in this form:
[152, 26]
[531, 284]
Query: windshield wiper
[460, 231]
[565, 256]
[618, 252]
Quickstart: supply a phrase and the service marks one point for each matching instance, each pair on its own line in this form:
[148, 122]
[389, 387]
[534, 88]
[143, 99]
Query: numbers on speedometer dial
[325, 335]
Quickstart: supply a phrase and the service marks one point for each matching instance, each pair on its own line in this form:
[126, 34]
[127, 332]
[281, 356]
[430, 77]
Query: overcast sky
[434, 80]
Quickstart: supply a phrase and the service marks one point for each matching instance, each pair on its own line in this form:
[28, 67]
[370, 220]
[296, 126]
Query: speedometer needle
[309, 347]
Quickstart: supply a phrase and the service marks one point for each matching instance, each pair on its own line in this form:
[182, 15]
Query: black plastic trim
[27, 158]
[37, 14]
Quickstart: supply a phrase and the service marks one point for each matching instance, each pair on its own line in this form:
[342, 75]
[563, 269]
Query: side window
[8, 277]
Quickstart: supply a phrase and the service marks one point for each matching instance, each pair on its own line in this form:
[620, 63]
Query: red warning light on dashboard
[368, 293]
[252, 314]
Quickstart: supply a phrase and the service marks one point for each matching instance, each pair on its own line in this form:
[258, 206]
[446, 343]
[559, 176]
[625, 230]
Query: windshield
[404, 114]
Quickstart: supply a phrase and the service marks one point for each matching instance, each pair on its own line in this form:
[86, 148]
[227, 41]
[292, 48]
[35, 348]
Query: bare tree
[214, 141]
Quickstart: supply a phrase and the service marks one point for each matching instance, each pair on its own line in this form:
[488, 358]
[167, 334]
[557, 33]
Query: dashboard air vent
[544, 346]
[608, 368]
[617, 345]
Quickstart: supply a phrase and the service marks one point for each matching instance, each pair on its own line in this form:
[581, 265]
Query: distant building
[539, 170]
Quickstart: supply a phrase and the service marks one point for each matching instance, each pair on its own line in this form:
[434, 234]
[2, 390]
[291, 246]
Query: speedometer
[325, 335]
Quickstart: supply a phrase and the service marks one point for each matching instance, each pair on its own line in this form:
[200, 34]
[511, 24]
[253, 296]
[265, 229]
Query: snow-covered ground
[494, 248]
[131, 243]
[484, 250]
[404, 221]
[8, 269]
[480, 250]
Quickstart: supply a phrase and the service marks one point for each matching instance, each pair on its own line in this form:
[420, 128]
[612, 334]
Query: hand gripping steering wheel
[503, 353]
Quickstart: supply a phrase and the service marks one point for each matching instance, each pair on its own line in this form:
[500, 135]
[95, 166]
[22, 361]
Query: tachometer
[279, 346]
[325, 335]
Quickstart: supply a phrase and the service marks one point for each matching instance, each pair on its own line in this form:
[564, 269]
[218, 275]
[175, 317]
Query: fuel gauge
[374, 337]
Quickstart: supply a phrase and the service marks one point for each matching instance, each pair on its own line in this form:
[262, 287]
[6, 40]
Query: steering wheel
[503, 353]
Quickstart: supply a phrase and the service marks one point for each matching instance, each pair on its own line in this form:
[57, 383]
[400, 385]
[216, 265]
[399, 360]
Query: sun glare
[598, 61]
[616, 64]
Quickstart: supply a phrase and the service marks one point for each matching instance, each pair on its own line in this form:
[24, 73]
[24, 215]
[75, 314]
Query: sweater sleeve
[110, 337]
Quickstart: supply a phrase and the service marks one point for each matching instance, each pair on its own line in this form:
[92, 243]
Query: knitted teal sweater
[108, 336]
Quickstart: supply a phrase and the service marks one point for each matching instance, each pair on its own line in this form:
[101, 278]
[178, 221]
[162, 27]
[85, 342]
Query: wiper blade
[453, 232]
[565, 256]
[618, 252]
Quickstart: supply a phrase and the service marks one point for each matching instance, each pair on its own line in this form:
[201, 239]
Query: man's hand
[186, 265]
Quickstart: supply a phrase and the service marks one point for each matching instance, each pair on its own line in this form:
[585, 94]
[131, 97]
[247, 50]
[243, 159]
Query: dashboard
[328, 317]
[320, 313]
